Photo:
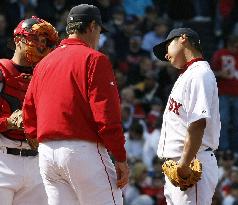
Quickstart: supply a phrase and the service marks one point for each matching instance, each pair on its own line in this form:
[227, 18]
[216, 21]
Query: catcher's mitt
[33, 143]
[15, 121]
[170, 170]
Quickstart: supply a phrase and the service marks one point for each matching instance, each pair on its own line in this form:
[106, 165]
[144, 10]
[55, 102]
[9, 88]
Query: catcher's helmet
[25, 26]
[30, 31]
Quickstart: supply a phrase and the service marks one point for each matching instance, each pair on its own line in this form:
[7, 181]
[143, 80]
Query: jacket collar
[73, 41]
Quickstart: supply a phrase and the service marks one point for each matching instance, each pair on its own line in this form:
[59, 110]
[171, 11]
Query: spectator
[217, 198]
[134, 142]
[231, 198]
[151, 145]
[121, 38]
[16, 12]
[139, 179]
[202, 10]
[148, 22]
[136, 75]
[5, 51]
[133, 56]
[137, 7]
[121, 79]
[127, 116]
[180, 10]
[143, 200]
[135, 52]
[128, 97]
[226, 17]
[225, 65]
[55, 9]
[226, 165]
[155, 36]
[61, 24]
[156, 190]
[105, 7]
[148, 90]
[167, 75]
[116, 23]
[226, 162]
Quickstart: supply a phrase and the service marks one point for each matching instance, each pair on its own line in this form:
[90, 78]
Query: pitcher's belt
[206, 150]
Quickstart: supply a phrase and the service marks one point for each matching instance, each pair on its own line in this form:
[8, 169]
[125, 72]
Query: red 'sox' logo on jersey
[174, 106]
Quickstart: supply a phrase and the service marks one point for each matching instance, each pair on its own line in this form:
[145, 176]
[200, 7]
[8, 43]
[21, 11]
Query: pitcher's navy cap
[160, 50]
[85, 13]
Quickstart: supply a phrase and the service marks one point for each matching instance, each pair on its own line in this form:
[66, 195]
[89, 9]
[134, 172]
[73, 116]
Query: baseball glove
[15, 121]
[170, 170]
[33, 143]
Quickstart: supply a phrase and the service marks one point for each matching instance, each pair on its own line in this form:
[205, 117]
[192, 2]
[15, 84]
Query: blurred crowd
[144, 82]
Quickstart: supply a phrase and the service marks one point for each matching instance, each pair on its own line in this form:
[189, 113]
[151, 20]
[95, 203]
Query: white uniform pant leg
[87, 169]
[33, 190]
[6, 196]
[200, 194]
[9, 178]
[20, 180]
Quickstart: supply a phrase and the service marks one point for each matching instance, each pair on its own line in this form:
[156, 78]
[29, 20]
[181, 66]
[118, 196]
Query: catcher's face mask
[39, 36]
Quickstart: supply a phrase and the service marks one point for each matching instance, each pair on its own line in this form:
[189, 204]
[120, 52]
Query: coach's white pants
[20, 180]
[78, 172]
[200, 194]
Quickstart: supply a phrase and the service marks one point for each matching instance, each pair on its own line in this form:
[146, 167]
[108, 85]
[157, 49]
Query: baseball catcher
[34, 38]
[37, 38]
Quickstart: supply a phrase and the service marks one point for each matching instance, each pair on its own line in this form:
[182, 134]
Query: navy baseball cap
[85, 13]
[160, 50]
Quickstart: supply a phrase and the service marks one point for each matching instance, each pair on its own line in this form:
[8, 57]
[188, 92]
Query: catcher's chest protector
[12, 94]
[15, 83]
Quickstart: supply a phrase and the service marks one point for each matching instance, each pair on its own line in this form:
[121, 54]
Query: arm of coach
[105, 105]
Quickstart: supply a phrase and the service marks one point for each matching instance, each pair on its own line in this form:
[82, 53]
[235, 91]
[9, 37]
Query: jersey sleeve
[198, 97]
[105, 105]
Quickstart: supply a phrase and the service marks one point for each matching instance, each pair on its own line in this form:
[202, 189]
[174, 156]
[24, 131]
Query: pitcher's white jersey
[194, 96]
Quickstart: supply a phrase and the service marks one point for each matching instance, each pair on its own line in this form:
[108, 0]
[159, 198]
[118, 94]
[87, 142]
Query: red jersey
[13, 89]
[73, 95]
[223, 59]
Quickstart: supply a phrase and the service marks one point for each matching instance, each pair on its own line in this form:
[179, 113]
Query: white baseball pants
[203, 191]
[78, 172]
[20, 180]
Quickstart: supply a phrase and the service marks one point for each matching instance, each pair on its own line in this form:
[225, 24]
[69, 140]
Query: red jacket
[12, 95]
[73, 95]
